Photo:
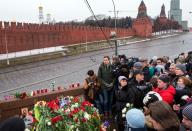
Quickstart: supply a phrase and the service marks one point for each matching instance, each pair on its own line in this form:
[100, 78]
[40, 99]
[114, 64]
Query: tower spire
[162, 14]
[142, 10]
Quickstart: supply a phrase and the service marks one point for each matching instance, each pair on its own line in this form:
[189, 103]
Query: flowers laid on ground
[21, 95]
[65, 114]
[127, 108]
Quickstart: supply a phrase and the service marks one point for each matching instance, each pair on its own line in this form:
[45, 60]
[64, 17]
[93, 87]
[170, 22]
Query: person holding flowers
[121, 99]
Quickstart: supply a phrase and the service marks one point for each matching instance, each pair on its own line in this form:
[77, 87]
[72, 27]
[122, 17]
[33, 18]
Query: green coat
[105, 76]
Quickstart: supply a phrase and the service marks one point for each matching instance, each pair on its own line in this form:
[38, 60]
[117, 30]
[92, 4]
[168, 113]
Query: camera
[91, 83]
[131, 61]
[116, 71]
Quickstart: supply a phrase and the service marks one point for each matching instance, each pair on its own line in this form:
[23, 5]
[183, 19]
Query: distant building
[175, 13]
[41, 18]
[48, 18]
[162, 23]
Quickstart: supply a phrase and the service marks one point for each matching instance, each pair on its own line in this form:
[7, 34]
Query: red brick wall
[143, 27]
[24, 36]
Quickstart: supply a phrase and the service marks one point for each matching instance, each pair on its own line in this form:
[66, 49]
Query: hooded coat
[167, 94]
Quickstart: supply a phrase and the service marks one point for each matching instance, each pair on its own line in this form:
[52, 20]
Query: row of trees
[110, 22]
[159, 24]
[106, 22]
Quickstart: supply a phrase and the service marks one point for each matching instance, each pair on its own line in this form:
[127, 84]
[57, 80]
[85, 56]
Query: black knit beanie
[164, 78]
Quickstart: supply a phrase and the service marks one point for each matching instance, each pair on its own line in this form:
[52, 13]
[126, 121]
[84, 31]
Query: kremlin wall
[25, 36]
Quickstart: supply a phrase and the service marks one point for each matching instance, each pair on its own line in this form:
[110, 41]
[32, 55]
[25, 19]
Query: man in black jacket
[138, 89]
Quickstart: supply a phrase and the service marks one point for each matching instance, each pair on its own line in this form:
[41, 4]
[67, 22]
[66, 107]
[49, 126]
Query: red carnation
[76, 99]
[76, 120]
[56, 119]
[53, 105]
[82, 108]
[84, 120]
[86, 103]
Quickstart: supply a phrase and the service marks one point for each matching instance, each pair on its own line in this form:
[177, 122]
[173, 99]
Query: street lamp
[114, 34]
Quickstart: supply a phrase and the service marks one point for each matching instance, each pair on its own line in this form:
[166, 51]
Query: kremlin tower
[142, 25]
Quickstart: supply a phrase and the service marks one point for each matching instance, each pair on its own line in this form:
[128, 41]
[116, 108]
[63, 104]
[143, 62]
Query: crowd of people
[155, 94]
[159, 90]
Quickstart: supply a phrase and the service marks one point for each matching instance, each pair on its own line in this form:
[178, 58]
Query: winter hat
[190, 52]
[135, 118]
[13, 124]
[164, 78]
[143, 59]
[181, 67]
[138, 65]
[187, 112]
[136, 72]
[151, 97]
[121, 78]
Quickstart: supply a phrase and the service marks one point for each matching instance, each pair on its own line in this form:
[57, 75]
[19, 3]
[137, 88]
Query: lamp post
[114, 34]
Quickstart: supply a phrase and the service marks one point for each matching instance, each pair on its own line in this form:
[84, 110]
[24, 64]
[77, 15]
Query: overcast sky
[66, 10]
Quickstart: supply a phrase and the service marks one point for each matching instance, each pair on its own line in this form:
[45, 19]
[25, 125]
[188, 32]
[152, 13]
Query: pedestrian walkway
[31, 52]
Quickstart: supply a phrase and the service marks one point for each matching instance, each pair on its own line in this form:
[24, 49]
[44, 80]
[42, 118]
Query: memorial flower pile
[65, 114]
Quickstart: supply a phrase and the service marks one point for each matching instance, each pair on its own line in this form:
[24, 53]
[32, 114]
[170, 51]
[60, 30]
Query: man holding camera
[91, 87]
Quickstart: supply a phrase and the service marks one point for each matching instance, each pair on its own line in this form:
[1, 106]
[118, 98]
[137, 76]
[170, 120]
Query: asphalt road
[72, 69]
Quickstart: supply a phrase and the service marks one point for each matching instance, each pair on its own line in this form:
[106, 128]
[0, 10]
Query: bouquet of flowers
[65, 114]
[126, 109]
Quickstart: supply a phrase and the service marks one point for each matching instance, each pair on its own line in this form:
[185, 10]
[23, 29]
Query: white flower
[26, 129]
[77, 129]
[123, 115]
[76, 105]
[86, 116]
[127, 105]
[124, 110]
[72, 109]
[185, 97]
[49, 123]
